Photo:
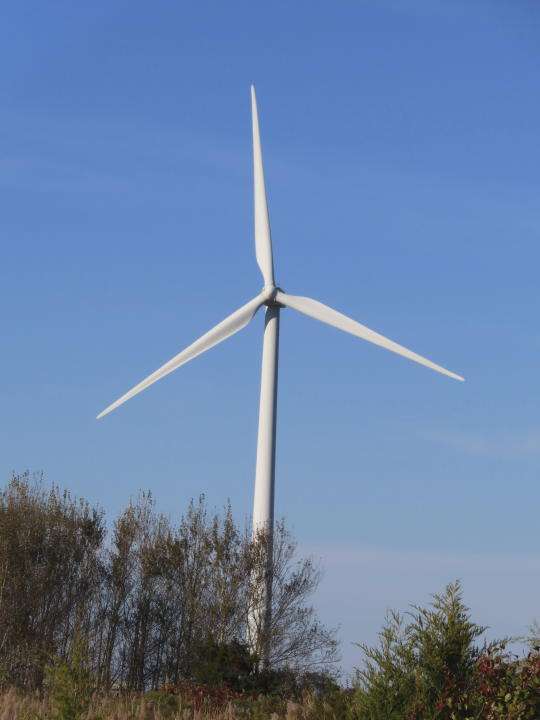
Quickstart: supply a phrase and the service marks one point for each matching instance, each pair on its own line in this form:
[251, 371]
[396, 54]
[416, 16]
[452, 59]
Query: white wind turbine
[274, 299]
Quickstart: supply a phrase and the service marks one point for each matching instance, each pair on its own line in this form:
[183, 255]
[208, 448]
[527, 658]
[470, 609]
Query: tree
[70, 681]
[50, 572]
[174, 588]
[297, 638]
[407, 674]
[147, 599]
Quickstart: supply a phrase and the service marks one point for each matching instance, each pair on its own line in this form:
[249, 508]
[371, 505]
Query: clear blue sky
[403, 167]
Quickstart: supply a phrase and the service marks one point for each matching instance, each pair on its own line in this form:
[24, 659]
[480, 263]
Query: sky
[401, 154]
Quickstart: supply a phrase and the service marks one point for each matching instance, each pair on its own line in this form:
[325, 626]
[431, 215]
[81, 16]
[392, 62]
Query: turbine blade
[327, 315]
[225, 329]
[263, 239]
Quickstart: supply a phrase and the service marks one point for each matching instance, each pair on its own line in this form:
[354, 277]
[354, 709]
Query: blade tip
[104, 412]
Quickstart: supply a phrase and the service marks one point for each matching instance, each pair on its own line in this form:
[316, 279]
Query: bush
[166, 704]
[231, 665]
[70, 682]
[407, 675]
[501, 686]
[226, 663]
[429, 668]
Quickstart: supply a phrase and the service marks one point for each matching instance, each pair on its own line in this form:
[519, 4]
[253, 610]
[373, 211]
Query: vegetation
[146, 599]
[428, 667]
[150, 622]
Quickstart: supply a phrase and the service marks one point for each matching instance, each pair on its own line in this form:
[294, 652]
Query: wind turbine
[274, 299]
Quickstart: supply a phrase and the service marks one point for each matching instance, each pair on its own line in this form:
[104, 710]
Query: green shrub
[405, 677]
[70, 682]
[227, 663]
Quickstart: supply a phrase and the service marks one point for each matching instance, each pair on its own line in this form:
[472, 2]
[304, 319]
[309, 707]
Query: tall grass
[15, 705]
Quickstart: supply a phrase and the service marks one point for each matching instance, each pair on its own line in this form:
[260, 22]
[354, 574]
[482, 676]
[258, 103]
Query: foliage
[429, 668]
[152, 624]
[405, 676]
[162, 702]
[229, 664]
[298, 640]
[500, 687]
[533, 639]
[232, 667]
[70, 682]
[49, 569]
[147, 597]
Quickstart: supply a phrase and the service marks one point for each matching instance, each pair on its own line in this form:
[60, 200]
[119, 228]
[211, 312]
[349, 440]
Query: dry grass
[15, 705]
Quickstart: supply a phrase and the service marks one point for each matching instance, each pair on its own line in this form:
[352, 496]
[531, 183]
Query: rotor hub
[270, 293]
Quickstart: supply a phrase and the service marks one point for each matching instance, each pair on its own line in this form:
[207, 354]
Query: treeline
[146, 596]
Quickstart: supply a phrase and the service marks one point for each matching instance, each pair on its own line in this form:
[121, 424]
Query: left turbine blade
[263, 238]
[327, 315]
[225, 329]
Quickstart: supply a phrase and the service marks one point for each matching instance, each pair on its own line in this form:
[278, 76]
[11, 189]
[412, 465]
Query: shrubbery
[70, 685]
[152, 625]
[429, 667]
[501, 686]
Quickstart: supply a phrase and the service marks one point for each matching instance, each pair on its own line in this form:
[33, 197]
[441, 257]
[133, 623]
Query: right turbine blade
[263, 238]
[217, 334]
[327, 315]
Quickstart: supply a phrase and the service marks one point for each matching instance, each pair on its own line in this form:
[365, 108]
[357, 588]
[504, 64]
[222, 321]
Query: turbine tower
[274, 299]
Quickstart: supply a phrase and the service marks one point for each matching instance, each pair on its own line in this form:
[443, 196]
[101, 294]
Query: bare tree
[296, 638]
[147, 601]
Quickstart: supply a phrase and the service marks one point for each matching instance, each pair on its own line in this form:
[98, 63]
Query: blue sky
[402, 161]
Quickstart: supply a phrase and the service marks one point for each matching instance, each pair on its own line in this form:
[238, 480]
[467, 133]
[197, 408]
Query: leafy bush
[166, 704]
[429, 668]
[225, 663]
[70, 682]
[406, 675]
[501, 686]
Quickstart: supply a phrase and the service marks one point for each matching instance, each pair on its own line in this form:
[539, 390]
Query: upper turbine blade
[225, 329]
[325, 314]
[263, 239]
